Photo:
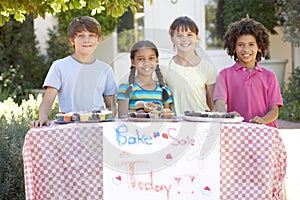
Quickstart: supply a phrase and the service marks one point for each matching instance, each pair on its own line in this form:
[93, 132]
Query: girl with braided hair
[141, 86]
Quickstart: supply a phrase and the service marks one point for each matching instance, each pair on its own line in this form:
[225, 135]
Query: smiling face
[185, 40]
[85, 42]
[246, 49]
[145, 61]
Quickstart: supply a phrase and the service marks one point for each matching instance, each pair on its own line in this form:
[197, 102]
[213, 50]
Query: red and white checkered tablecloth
[253, 162]
[64, 162]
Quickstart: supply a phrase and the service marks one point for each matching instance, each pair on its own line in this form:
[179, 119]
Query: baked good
[67, 117]
[188, 113]
[59, 117]
[108, 114]
[75, 117]
[139, 105]
[84, 116]
[149, 106]
[167, 113]
[95, 115]
[155, 114]
[141, 115]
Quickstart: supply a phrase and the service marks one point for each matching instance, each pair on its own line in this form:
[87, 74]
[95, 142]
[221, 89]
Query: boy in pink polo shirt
[246, 88]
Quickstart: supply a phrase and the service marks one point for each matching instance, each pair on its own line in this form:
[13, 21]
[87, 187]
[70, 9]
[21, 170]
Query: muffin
[149, 106]
[167, 113]
[59, 117]
[107, 114]
[139, 105]
[155, 114]
[141, 114]
[84, 116]
[75, 117]
[67, 117]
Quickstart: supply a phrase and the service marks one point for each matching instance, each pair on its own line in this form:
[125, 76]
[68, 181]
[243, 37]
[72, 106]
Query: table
[67, 161]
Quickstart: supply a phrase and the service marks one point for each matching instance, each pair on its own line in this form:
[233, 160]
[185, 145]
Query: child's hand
[39, 123]
[234, 113]
[257, 120]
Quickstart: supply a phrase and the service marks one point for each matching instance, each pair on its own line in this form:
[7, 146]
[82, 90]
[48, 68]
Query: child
[191, 78]
[81, 81]
[142, 87]
[246, 88]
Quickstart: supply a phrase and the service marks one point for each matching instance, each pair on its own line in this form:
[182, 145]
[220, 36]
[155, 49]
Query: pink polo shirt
[249, 93]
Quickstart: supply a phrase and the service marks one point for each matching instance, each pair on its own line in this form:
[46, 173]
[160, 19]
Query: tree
[20, 8]
[265, 12]
[290, 20]
[21, 65]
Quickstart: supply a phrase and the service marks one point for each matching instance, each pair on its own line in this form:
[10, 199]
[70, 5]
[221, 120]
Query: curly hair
[246, 26]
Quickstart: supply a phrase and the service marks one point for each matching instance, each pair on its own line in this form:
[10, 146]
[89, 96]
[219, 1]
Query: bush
[11, 162]
[14, 124]
[291, 98]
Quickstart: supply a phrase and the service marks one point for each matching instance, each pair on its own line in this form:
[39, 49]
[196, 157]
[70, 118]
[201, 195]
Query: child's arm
[45, 108]
[110, 103]
[220, 105]
[122, 107]
[209, 96]
[271, 115]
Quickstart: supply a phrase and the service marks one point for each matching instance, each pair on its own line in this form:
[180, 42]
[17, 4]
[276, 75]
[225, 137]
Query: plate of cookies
[151, 111]
[222, 117]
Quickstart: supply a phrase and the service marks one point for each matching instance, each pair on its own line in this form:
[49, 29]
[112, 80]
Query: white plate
[89, 121]
[138, 119]
[212, 119]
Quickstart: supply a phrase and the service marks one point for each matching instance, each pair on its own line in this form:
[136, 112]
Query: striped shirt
[140, 94]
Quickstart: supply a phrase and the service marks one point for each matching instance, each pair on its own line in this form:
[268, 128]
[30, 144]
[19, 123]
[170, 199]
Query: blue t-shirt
[140, 94]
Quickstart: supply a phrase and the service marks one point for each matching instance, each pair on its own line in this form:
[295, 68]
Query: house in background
[153, 22]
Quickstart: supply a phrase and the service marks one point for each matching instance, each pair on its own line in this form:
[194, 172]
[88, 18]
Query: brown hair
[183, 23]
[246, 26]
[84, 23]
[139, 45]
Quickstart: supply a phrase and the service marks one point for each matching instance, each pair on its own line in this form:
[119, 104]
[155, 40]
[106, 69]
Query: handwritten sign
[160, 160]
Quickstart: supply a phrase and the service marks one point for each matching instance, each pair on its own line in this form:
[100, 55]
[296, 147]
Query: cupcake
[149, 106]
[75, 117]
[141, 114]
[139, 105]
[84, 116]
[167, 113]
[155, 114]
[59, 117]
[95, 115]
[107, 114]
[67, 117]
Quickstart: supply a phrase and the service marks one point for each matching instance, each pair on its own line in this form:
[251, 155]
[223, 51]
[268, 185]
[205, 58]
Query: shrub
[11, 162]
[14, 124]
[291, 98]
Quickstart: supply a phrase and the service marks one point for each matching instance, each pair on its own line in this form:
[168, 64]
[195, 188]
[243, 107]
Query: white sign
[161, 161]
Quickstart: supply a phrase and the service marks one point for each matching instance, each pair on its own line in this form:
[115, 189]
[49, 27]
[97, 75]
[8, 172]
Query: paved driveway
[291, 139]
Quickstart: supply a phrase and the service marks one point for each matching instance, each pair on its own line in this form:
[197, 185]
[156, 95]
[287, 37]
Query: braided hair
[135, 48]
[165, 94]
